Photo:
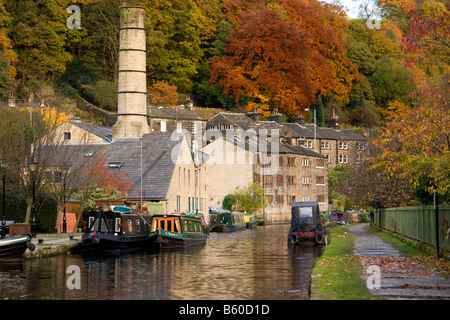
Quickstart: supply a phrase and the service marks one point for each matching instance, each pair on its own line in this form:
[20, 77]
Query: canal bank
[49, 244]
[345, 270]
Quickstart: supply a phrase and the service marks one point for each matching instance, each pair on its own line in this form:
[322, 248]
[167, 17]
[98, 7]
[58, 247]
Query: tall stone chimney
[132, 100]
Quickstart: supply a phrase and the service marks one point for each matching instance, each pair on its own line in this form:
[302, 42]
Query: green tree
[39, 37]
[249, 198]
[391, 82]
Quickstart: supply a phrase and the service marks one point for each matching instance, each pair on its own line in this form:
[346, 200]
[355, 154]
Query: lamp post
[33, 166]
[3, 207]
[64, 224]
[4, 165]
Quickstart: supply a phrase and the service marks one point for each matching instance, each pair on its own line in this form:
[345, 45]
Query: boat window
[117, 225]
[130, 226]
[162, 225]
[138, 226]
[91, 221]
[306, 212]
[169, 225]
[155, 225]
[177, 228]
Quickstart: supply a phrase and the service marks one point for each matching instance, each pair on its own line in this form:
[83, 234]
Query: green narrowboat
[176, 230]
[222, 220]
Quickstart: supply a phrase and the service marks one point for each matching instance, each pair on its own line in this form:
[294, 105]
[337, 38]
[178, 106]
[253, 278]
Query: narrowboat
[222, 220]
[177, 230]
[115, 230]
[13, 248]
[250, 220]
[306, 224]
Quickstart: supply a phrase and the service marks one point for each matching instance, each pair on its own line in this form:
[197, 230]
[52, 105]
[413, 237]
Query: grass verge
[337, 273]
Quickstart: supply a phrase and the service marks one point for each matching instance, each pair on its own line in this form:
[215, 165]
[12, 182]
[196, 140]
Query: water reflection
[255, 264]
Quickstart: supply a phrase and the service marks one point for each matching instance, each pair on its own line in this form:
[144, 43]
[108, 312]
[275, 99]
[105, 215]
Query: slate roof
[100, 131]
[174, 113]
[158, 166]
[294, 130]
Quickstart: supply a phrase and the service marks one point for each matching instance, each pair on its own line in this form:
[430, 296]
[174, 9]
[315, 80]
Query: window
[360, 146]
[179, 126]
[279, 179]
[130, 226]
[290, 199]
[343, 145]
[290, 180]
[67, 136]
[359, 159]
[138, 226]
[163, 126]
[320, 180]
[320, 163]
[328, 157]
[280, 199]
[256, 178]
[343, 158]
[269, 199]
[326, 145]
[305, 198]
[305, 180]
[320, 198]
[280, 161]
[268, 180]
[291, 161]
[305, 162]
[309, 144]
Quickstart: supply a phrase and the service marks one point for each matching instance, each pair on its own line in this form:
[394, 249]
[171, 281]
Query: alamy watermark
[374, 279]
[74, 21]
[236, 146]
[73, 281]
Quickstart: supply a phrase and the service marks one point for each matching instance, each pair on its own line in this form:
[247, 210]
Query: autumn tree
[282, 57]
[417, 141]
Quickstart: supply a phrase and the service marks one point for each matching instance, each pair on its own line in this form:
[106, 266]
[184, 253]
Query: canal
[251, 265]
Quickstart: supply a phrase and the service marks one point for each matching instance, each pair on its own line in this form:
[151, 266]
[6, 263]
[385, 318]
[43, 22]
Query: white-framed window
[310, 144]
[360, 146]
[343, 158]
[163, 126]
[326, 145]
[305, 162]
[179, 126]
[305, 198]
[343, 145]
[305, 180]
[328, 157]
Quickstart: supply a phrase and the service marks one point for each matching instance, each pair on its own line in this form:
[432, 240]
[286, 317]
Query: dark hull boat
[176, 231]
[226, 221]
[115, 232]
[13, 248]
[306, 225]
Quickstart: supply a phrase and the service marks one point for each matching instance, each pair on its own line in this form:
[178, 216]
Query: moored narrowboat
[115, 230]
[227, 221]
[250, 220]
[177, 230]
[13, 248]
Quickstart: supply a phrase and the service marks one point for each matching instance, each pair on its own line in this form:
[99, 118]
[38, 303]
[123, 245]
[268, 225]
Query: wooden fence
[415, 222]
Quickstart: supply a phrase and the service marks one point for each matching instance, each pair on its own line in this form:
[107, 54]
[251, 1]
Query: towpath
[400, 277]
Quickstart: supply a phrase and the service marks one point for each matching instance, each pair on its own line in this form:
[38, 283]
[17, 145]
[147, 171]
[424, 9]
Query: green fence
[415, 222]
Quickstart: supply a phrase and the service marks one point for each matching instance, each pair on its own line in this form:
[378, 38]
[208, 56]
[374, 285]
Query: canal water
[252, 264]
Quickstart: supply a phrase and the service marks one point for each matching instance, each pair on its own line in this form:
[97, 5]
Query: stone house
[178, 119]
[170, 181]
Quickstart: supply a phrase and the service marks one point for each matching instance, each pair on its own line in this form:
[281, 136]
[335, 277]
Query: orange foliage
[288, 54]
